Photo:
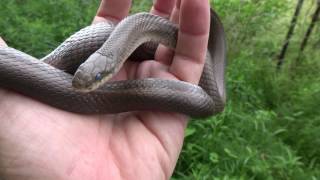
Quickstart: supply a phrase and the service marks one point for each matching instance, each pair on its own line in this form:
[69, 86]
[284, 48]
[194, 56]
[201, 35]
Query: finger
[176, 12]
[192, 42]
[2, 43]
[163, 8]
[113, 10]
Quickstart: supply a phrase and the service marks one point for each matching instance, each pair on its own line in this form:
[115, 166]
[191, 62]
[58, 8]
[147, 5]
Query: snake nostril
[79, 80]
[76, 82]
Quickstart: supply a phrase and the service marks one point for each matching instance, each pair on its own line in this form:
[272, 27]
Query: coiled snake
[50, 80]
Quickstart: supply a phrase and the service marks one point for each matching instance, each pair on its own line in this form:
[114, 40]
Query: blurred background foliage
[271, 126]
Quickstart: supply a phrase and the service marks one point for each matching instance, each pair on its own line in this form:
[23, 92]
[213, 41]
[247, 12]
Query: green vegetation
[271, 126]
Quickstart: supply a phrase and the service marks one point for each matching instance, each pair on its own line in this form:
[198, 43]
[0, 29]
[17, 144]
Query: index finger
[113, 10]
[194, 25]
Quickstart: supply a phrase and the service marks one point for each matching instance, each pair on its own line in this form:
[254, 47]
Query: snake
[75, 76]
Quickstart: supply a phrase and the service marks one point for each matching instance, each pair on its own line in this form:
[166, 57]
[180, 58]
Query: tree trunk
[290, 33]
[315, 18]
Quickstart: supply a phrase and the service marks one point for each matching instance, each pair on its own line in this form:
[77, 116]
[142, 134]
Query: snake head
[92, 74]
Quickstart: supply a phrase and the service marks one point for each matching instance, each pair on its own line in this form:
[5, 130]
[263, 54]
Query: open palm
[41, 142]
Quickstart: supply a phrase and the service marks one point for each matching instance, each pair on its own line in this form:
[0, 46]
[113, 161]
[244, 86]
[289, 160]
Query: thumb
[2, 43]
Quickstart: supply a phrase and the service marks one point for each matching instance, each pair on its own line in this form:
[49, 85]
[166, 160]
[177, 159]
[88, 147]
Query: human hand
[41, 142]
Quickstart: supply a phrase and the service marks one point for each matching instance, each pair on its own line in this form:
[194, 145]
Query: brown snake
[50, 80]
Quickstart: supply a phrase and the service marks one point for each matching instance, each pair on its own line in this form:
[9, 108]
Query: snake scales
[50, 80]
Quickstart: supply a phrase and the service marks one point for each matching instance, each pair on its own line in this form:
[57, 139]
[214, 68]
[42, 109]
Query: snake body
[50, 80]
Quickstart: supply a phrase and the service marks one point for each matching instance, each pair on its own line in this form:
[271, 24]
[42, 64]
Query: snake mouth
[85, 89]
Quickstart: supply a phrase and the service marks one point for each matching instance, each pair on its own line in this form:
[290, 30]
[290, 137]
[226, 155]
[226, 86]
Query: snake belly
[50, 80]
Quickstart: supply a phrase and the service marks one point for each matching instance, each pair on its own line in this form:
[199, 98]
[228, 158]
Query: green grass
[271, 126]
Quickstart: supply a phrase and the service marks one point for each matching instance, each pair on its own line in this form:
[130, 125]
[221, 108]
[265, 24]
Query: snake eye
[98, 77]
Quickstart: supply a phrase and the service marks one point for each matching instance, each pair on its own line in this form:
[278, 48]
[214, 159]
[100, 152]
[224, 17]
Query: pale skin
[41, 142]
